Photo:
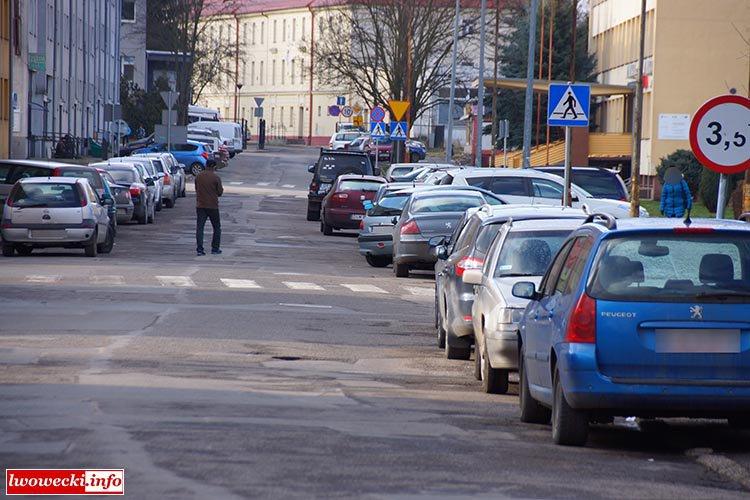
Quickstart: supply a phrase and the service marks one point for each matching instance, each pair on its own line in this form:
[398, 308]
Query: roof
[546, 224]
[661, 223]
[542, 86]
[500, 172]
[36, 163]
[58, 180]
[116, 165]
[501, 213]
[421, 193]
[358, 177]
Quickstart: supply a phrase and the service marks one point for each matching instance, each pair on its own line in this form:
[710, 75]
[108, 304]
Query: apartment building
[5, 55]
[694, 50]
[66, 73]
[133, 41]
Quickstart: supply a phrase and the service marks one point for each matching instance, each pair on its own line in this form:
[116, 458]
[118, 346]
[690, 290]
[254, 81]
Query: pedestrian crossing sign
[400, 131]
[378, 130]
[568, 105]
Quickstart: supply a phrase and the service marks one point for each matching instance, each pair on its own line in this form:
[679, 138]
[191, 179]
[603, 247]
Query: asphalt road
[288, 368]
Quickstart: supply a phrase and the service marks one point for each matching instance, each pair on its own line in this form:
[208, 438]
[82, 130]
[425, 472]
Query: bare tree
[386, 49]
[199, 55]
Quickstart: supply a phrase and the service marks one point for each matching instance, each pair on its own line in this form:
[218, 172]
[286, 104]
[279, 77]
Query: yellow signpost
[399, 108]
[358, 121]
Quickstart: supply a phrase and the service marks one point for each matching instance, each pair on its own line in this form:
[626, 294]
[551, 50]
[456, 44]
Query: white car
[340, 140]
[230, 132]
[529, 186]
[43, 212]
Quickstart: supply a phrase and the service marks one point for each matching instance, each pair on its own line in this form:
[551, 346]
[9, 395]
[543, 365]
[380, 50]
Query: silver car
[43, 212]
[173, 178]
[522, 251]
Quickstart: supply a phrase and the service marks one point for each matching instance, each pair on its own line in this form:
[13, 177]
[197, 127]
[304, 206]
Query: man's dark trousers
[213, 214]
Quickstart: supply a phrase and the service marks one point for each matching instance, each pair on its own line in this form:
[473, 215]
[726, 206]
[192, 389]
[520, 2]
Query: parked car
[124, 206]
[467, 249]
[44, 212]
[340, 140]
[638, 318]
[342, 207]
[398, 170]
[417, 150]
[174, 168]
[148, 173]
[599, 182]
[101, 188]
[521, 251]
[384, 146]
[168, 191]
[192, 154]
[128, 149]
[230, 132]
[530, 186]
[128, 174]
[428, 214]
[329, 166]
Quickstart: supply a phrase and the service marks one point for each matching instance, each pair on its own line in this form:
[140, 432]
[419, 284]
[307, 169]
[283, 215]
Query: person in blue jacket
[676, 198]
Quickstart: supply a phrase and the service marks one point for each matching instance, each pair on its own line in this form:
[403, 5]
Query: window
[466, 237]
[262, 31]
[303, 29]
[252, 73]
[274, 31]
[260, 75]
[244, 71]
[281, 116]
[128, 71]
[546, 189]
[128, 11]
[434, 204]
[513, 186]
[291, 116]
[292, 73]
[528, 253]
[547, 287]
[273, 72]
[253, 34]
[302, 71]
[318, 110]
[570, 275]
[283, 30]
[294, 29]
[283, 71]
[46, 195]
[244, 33]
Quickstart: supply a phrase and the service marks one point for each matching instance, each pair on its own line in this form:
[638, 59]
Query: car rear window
[456, 203]
[389, 205]
[45, 195]
[514, 186]
[331, 166]
[528, 253]
[125, 176]
[93, 177]
[600, 184]
[359, 186]
[485, 237]
[398, 171]
[670, 267]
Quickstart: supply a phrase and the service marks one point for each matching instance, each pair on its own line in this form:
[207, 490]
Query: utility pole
[494, 89]
[452, 98]
[480, 90]
[539, 95]
[527, 118]
[635, 161]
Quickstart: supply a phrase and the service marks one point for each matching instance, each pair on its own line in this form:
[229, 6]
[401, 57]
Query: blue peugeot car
[638, 317]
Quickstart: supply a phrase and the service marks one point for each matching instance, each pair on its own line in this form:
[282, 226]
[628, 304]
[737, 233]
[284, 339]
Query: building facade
[133, 41]
[695, 50]
[66, 73]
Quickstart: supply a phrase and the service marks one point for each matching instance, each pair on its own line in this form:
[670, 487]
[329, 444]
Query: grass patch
[699, 209]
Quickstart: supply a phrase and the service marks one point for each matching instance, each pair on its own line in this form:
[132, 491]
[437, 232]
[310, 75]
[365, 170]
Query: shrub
[687, 163]
[709, 188]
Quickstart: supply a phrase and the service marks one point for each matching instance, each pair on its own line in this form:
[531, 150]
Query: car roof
[546, 224]
[666, 223]
[115, 165]
[561, 167]
[75, 167]
[501, 172]
[356, 177]
[427, 193]
[500, 213]
[58, 180]
[35, 163]
[340, 152]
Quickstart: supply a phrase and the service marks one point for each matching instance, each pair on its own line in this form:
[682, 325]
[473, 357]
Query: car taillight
[167, 180]
[88, 223]
[693, 230]
[82, 197]
[468, 263]
[134, 191]
[340, 196]
[204, 155]
[582, 322]
[410, 227]
[56, 172]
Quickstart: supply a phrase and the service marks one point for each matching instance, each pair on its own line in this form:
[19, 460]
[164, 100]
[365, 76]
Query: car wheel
[570, 427]
[24, 250]
[158, 205]
[494, 381]
[326, 229]
[183, 192]
[143, 217]
[196, 168]
[8, 250]
[739, 422]
[477, 362]
[152, 215]
[108, 244]
[313, 214]
[378, 261]
[169, 203]
[440, 333]
[401, 270]
[532, 412]
[91, 248]
[454, 352]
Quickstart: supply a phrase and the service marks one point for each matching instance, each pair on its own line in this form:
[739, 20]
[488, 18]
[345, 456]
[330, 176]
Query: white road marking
[235, 183]
[420, 290]
[106, 279]
[312, 306]
[39, 278]
[235, 283]
[291, 274]
[263, 183]
[301, 285]
[178, 281]
[363, 288]
[290, 186]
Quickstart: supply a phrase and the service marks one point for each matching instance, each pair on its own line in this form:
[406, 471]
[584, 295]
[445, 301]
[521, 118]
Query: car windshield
[45, 195]
[369, 186]
[514, 186]
[600, 184]
[399, 171]
[124, 176]
[670, 267]
[93, 177]
[448, 203]
[389, 205]
[528, 253]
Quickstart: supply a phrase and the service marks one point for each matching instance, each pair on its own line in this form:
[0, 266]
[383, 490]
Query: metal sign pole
[377, 154]
[505, 145]
[169, 123]
[566, 191]
[722, 198]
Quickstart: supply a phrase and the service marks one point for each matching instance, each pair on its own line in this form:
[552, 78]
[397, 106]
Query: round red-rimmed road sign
[377, 114]
[720, 134]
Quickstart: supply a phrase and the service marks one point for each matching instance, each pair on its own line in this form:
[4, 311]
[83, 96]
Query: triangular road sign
[568, 107]
[399, 131]
[398, 108]
[377, 129]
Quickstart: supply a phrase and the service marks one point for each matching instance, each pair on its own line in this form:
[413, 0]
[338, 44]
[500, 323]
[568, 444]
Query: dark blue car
[193, 155]
[638, 317]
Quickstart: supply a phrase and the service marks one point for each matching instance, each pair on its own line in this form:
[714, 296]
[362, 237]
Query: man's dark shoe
[216, 252]
[201, 252]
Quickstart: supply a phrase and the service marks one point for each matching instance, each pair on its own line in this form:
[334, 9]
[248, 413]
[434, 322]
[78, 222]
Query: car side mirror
[182, 166]
[311, 168]
[441, 252]
[150, 182]
[523, 290]
[472, 277]
[574, 198]
[436, 241]
[394, 221]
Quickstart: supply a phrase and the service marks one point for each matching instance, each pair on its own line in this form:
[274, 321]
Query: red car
[342, 206]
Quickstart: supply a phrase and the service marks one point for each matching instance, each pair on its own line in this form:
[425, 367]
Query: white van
[230, 132]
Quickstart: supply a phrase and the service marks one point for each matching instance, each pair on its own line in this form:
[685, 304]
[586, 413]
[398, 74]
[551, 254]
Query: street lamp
[236, 99]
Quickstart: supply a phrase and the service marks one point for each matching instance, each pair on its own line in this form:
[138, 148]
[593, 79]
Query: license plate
[684, 340]
[47, 234]
[381, 229]
[358, 216]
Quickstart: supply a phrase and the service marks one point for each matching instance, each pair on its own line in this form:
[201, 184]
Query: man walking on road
[208, 188]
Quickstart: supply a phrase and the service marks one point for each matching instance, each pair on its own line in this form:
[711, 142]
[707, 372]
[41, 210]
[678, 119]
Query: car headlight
[508, 318]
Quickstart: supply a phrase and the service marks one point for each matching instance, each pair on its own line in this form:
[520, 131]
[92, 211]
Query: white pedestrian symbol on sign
[377, 130]
[568, 104]
[398, 131]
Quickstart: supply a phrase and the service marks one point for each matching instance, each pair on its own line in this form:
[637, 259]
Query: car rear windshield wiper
[722, 295]
[33, 205]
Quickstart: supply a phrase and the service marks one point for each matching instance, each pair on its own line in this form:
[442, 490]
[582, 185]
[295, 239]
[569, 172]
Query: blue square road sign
[568, 105]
